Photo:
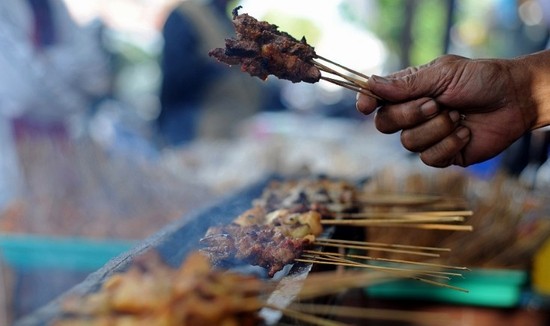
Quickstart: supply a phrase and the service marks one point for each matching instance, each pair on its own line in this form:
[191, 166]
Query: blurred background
[114, 122]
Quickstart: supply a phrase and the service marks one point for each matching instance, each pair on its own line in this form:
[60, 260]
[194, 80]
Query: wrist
[531, 78]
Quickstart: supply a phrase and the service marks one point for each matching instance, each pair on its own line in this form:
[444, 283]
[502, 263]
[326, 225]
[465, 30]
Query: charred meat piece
[289, 222]
[258, 245]
[262, 50]
[321, 195]
[296, 225]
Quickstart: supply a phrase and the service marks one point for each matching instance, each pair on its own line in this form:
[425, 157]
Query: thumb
[404, 87]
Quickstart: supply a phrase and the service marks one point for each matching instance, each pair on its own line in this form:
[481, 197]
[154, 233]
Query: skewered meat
[262, 50]
[270, 240]
[259, 245]
[292, 224]
[285, 219]
[253, 216]
[296, 225]
[152, 293]
[322, 195]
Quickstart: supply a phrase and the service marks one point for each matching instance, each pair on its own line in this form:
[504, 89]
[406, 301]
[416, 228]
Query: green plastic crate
[31, 251]
[500, 288]
[43, 267]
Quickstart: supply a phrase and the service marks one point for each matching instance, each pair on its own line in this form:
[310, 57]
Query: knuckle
[410, 81]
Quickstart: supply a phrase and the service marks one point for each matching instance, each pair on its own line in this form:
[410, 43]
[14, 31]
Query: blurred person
[52, 70]
[460, 111]
[201, 98]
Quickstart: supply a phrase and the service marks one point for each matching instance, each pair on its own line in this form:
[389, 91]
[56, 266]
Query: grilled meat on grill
[259, 245]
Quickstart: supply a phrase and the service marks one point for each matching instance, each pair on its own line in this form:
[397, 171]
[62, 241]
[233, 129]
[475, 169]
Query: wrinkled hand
[454, 110]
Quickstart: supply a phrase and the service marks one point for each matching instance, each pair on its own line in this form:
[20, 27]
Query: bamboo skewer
[398, 272]
[326, 283]
[425, 226]
[350, 82]
[339, 259]
[344, 67]
[347, 85]
[388, 221]
[412, 214]
[343, 262]
[355, 81]
[385, 249]
[378, 314]
[445, 227]
[305, 317]
[398, 199]
[389, 260]
[433, 273]
[366, 243]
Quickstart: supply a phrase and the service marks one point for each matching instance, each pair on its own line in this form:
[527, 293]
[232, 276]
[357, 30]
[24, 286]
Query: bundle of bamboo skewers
[509, 220]
[413, 212]
[348, 78]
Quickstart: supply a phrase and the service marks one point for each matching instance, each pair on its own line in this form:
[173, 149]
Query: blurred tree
[413, 31]
[429, 30]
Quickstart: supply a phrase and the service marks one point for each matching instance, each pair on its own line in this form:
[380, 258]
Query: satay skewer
[350, 263]
[328, 257]
[355, 72]
[391, 221]
[311, 319]
[262, 50]
[349, 82]
[363, 247]
[398, 199]
[336, 257]
[424, 318]
[423, 226]
[390, 270]
[347, 85]
[389, 260]
[379, 244]
[411, 214]
[428, 226]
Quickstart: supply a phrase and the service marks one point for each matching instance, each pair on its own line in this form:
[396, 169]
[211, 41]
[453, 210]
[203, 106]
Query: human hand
[454, 110]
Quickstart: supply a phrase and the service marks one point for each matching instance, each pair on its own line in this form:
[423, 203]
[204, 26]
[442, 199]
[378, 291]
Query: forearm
[532, 74]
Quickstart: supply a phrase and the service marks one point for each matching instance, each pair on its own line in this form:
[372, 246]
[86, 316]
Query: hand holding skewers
[460, 111]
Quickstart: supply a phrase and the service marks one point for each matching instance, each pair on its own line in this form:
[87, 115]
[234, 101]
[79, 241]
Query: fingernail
[463, 133]
[379, 80]
[429, 108]
[454, 115]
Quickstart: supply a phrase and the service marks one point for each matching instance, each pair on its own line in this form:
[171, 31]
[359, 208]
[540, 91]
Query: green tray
[24, 251]
[499, 288]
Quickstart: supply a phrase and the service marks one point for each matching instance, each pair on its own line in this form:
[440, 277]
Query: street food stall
[281, 225]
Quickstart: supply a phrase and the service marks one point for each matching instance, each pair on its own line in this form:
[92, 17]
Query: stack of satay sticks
[287, 225]
[510, 220]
